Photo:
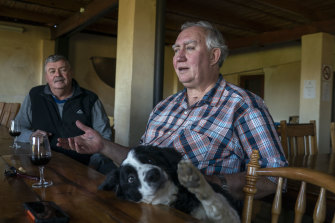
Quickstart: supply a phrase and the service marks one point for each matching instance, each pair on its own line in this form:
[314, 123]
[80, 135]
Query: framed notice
[309, 89]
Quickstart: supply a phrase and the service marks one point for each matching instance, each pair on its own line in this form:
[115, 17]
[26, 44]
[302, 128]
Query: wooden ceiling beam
[29, 16]
[201, 12]
[80, 20]
[293, 7]
[280, 36]
[57, 4]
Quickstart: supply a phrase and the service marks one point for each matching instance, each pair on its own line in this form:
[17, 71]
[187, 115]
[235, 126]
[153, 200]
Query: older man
[211, 122]
[53, 108]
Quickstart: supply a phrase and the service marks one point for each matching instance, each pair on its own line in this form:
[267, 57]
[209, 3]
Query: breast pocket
[206, 141]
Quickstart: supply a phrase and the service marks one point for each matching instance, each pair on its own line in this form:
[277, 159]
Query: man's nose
[58, 73]
[181, 55]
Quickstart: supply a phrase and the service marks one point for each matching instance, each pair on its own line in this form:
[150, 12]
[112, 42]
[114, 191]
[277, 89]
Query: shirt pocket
[208, 141]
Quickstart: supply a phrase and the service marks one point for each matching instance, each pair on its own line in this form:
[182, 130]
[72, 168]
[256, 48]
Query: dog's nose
[152, 175]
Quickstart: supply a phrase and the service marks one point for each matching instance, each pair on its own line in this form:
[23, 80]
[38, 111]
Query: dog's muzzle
[154, 178]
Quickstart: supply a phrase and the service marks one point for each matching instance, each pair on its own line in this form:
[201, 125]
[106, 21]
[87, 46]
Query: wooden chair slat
[298, 138]
[300, 205]
[10, 110]
[277, 201]
[319, 215]
[307, 176]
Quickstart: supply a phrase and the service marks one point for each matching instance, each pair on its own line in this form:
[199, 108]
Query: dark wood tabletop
[324, 162]
[75, 190]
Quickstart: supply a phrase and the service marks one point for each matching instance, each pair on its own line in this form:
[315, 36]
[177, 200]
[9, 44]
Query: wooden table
[74, 190]
[320, 162]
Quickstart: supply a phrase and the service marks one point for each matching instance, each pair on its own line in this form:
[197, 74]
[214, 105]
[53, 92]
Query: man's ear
[214, 56]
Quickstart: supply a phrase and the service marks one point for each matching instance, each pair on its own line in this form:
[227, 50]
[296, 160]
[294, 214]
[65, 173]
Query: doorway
[253, 83]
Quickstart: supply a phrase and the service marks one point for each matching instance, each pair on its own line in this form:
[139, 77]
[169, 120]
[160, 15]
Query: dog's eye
[131, 179]
[150, 161]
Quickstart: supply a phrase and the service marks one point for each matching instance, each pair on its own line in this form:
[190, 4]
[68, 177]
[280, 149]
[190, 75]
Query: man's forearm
[235, 183]
[115, 151]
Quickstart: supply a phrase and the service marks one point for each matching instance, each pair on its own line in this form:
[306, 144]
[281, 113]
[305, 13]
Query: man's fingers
[71, 143]
[82, 126]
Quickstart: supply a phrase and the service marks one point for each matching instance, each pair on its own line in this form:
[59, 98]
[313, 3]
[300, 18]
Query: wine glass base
[15, 146]
[41, 185]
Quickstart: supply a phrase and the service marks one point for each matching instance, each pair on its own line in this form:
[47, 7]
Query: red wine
[14, 134]
[40, 160]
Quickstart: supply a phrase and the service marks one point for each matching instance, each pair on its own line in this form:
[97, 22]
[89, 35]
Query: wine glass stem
[15, 140]
[41, 168]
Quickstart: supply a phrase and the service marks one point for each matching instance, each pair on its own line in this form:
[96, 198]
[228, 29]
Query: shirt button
[185, 112]
[169, 132]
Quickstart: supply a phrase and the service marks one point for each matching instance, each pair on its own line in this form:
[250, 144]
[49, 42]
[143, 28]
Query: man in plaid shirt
[211, 122]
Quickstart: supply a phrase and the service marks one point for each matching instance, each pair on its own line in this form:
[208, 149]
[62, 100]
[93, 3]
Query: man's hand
[90, 142]
[40, 132]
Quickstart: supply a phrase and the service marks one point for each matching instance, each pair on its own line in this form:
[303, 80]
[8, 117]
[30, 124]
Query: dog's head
[148, 174]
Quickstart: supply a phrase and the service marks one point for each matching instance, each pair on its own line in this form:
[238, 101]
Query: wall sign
[309, 89]
[326, 72]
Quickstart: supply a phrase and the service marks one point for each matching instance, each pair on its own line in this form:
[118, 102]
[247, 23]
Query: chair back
[2, 105]
[298, 138]
[326, 182]
[9, 112]
[332, 136]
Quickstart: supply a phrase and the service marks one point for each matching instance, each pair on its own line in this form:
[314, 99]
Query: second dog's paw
[188, 175]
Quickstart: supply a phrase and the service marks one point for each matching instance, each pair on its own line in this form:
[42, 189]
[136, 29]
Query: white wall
[281, 68]
[82, 48]
[21, 60]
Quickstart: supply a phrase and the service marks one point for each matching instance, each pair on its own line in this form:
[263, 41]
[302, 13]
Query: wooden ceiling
[244, 23]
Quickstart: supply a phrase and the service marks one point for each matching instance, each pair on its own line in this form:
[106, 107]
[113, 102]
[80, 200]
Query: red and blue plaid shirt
[219, 132]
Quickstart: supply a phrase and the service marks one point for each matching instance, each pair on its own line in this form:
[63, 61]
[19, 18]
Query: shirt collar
[76, 90]
[212, 97]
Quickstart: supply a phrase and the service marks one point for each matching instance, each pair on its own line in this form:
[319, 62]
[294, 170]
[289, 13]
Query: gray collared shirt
[100, 121]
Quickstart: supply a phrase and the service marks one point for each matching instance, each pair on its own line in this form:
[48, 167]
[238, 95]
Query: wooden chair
[298, 138]
[2, 105]
[324, 181]
[332, 136]
[9, 112]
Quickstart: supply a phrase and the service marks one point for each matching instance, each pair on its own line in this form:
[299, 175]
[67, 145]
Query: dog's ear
[172, 155]
[112, 181]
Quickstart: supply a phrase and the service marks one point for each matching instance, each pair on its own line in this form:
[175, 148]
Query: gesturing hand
[90, 142]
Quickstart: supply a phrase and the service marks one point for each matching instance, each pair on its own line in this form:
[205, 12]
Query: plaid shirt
[219, 132]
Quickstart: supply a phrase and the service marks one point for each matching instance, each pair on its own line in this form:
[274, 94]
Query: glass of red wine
[15, 131]
[40, 156]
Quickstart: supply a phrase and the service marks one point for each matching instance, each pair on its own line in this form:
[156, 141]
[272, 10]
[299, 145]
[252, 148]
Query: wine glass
[15, 131]
[40, 156]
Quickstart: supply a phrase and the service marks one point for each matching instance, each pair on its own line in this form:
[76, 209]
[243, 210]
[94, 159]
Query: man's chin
[59, 86]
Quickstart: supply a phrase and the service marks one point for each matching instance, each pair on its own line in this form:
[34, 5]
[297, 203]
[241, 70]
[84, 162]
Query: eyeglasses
[13, 172]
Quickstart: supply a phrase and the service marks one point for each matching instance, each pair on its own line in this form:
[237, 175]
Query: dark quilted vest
[45, 116]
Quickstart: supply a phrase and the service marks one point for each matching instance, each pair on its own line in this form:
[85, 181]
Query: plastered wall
[281, 68]
[21, 60]
[82, 48]
[22, 55]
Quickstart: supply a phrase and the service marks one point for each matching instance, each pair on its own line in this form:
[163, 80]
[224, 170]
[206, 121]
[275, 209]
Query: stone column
[316, 84]
[134, 69]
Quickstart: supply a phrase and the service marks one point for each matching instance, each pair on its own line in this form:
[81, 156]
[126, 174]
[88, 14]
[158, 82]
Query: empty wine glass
[40, 156]
[15, 131]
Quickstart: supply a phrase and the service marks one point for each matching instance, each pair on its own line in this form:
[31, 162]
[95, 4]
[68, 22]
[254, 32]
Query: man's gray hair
[55, 58]
[214, 38]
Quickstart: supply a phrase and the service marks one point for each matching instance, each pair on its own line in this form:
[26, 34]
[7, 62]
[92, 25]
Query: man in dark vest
[53, 108]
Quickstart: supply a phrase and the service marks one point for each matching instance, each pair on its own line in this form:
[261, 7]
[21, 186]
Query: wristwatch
[223, 181]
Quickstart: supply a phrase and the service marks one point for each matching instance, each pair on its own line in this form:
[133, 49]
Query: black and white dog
[159, 176]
